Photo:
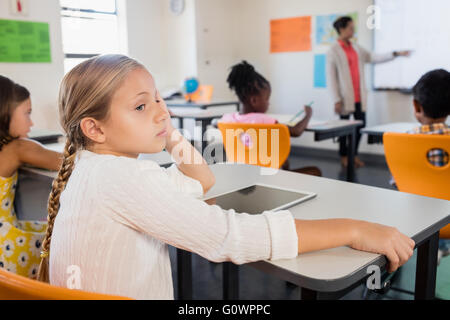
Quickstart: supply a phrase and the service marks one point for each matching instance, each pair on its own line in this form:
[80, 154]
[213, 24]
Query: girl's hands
[308, 111]
[338, 107]
[372, 237]
[298, 129]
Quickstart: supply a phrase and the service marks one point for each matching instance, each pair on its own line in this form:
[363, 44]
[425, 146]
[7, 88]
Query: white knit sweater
[117, 214]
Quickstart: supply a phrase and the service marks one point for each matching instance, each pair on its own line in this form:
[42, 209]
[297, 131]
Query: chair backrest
[406, 156]
[16, 287]
[203, 94]
[266, 145]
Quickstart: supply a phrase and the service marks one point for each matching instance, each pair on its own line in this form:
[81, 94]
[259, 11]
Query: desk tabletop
[213, 103]
[197, 114]
[44, 135]
[317, 124]
[398, 127]
[335, 269]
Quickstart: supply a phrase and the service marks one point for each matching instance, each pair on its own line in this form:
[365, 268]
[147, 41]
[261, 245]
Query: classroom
[193, 150]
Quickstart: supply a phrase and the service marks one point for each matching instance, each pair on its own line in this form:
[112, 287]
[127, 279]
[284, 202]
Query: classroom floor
[254, 284]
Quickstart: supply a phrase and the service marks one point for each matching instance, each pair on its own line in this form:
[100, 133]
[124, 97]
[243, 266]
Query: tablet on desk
[258, 198]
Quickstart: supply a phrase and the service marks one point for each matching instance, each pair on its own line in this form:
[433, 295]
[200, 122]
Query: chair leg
[365, 294]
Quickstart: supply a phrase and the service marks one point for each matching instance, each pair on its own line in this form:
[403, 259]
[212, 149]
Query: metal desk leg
[181, 123]
[351, 156]
[184, 274]
[426, 268]
[204, 128]
[307, 294]
[230, 281]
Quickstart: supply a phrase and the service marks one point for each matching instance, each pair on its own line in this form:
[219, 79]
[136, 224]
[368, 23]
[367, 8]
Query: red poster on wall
[290, 35]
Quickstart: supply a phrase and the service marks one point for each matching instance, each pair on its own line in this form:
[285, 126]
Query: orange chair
[406, 156]
[203, 94]
[16, 287]
[266, 145]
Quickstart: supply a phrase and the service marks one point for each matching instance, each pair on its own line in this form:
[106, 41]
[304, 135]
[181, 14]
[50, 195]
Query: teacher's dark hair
[11, 95]
[432, 92]
[245, 81]
[342, 23]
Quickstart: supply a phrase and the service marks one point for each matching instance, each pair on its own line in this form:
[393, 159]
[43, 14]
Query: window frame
[88, 11]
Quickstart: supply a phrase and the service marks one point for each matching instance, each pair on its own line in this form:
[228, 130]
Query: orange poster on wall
[290, 35]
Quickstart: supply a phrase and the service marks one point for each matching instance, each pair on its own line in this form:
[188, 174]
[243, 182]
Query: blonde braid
[58, 187]
[85, 92]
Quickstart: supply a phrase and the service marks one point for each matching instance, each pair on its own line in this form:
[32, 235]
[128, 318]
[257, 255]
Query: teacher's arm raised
[370, 57]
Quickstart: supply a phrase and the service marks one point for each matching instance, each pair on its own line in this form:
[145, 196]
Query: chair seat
[16, 287]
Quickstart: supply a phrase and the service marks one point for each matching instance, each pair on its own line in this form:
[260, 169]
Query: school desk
[334, 272]
[330, 129]
[203, 112]
[205, 117]
[339, 128]
[375, 133]
[201, 105]
[44, 135]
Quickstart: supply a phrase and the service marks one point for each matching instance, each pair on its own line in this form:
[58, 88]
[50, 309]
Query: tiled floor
[254, 284]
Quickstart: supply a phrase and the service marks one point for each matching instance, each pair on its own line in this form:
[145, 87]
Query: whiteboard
[419, 25]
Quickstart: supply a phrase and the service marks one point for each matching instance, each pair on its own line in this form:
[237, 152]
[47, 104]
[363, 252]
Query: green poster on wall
[23, 41]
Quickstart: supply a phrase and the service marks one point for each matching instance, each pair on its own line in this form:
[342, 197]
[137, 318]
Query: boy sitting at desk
[432, 107]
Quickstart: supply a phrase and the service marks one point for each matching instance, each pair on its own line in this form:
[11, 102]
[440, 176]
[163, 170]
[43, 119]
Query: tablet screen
[257, 199]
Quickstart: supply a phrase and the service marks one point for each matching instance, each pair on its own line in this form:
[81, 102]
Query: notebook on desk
[287, 119]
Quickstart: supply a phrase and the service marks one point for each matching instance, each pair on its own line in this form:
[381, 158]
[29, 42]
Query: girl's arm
[188, 159]
[298, 129]
[33, 153]
[360, 235]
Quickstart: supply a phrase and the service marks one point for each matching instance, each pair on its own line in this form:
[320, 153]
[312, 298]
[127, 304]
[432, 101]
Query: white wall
[218, 28]
[41, 79]
[163, 42]
[242, 30]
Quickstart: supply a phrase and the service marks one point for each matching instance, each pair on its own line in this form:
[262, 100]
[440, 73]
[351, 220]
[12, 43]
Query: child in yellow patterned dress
[20, 241]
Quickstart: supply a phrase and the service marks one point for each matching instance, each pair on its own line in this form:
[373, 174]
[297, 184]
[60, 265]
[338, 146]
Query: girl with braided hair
[20, 241]
[253, 91]
[111, 216]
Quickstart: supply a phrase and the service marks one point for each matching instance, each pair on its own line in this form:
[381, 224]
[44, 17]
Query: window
[89, 28]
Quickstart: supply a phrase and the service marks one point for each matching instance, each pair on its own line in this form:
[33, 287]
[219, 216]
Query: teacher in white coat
[345, 71]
